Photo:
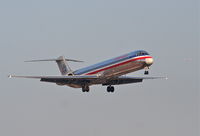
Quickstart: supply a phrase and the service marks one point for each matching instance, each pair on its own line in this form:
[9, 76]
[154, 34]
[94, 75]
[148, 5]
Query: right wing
[128, 80]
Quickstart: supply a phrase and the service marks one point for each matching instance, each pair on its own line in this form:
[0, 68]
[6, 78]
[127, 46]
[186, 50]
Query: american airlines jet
[106, 73]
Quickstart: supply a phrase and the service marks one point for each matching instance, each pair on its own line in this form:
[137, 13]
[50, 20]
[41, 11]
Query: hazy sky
[95, 30]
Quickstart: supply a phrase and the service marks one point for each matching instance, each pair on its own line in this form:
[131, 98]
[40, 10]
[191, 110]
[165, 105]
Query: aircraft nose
[149, 61]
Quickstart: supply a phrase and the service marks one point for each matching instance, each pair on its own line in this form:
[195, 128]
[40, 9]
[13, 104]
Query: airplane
[107, 73]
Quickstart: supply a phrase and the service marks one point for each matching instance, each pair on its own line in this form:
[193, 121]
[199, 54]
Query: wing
[88, 79]
[61, 79]
[127, 80]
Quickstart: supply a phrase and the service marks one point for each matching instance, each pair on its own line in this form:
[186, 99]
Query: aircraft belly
[74, 85]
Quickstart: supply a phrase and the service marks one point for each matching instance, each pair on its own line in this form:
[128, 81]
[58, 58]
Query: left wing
[60, 79]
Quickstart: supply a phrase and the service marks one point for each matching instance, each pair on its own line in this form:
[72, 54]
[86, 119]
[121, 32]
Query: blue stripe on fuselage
[109, 62]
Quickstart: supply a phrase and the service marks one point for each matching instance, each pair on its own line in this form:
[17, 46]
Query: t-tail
[62, 64]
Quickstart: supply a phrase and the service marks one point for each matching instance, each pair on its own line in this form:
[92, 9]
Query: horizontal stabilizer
[54, 60]
[62, 64]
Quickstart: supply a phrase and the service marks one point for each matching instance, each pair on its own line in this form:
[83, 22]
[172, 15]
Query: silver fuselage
[116, 67]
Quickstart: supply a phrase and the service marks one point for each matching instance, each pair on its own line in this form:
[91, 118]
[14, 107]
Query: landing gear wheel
[85, 88]
[110, 89]
[146, 72]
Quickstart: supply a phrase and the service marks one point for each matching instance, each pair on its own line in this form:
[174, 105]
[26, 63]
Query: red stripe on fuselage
[116, 65]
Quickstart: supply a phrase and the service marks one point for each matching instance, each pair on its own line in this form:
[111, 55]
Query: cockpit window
[141, 53]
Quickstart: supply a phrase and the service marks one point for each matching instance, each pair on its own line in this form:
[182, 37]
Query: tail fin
[62, 64]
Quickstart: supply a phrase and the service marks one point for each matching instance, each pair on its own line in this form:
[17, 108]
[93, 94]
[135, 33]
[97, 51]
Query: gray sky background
[93, 31]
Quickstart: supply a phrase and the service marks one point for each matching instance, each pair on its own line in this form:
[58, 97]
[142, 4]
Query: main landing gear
[110, 89]
[85, 88]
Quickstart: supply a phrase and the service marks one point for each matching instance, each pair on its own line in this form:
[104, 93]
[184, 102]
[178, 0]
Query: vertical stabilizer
[63, 66]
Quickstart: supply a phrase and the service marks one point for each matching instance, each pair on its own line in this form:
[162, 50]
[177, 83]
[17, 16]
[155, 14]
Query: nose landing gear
[146, 72]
